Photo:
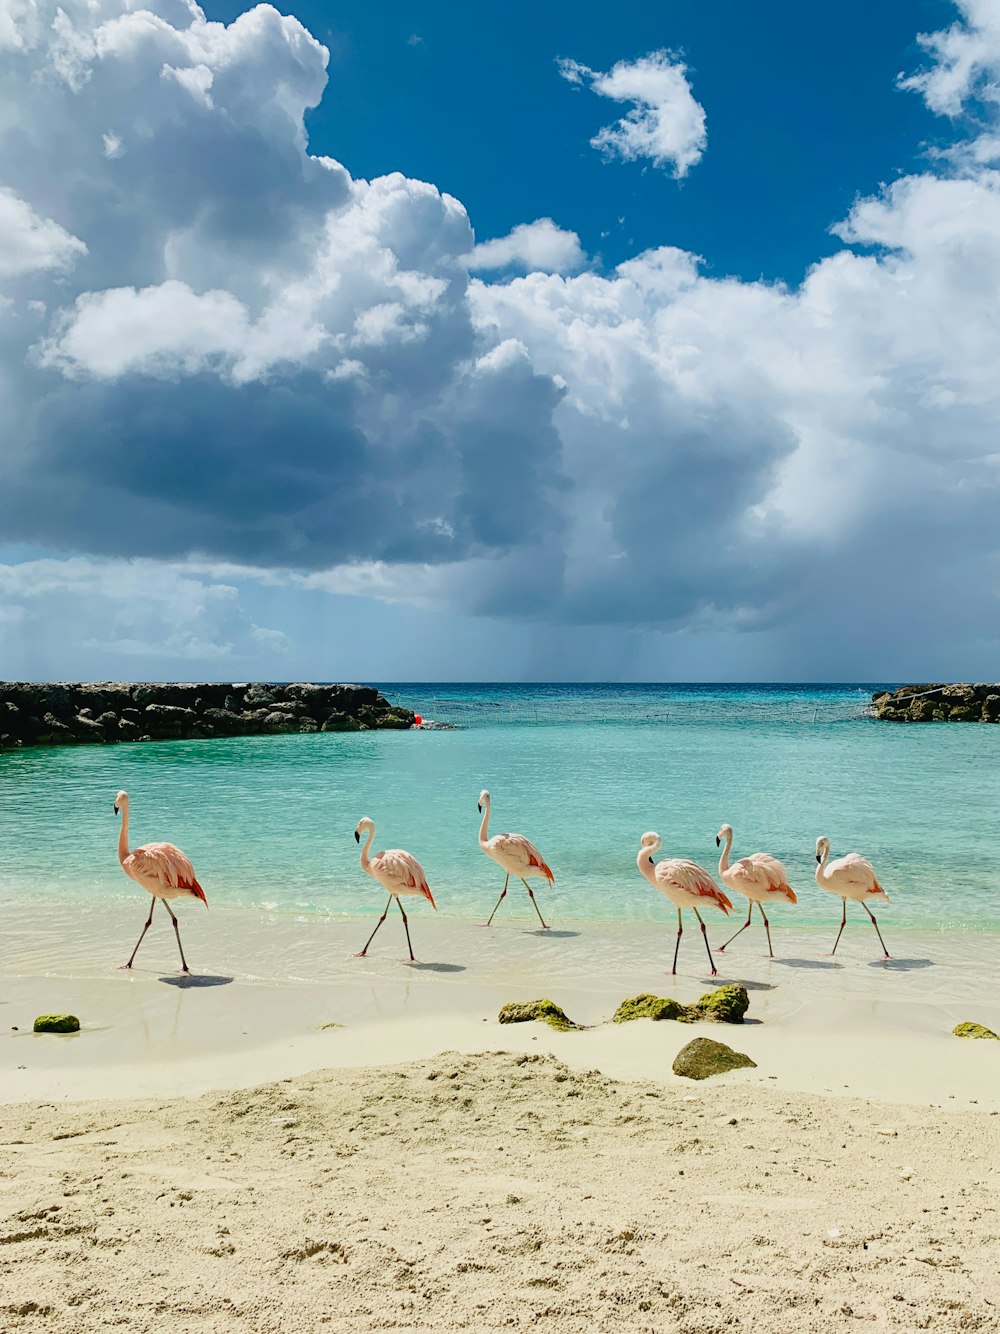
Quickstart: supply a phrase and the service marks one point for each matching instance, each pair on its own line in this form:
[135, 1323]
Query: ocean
[582, 770]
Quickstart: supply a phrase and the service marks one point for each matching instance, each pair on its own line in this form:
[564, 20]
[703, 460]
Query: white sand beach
[205, 1155]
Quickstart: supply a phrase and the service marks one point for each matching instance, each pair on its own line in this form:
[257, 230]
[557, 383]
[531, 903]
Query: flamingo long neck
[123, 833]
[724, 859]
[821, 868]
[645, 863]
[484, 827]
[366, 849]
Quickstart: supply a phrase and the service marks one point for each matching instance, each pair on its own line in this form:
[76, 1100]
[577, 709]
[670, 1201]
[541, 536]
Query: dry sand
[495, 1191]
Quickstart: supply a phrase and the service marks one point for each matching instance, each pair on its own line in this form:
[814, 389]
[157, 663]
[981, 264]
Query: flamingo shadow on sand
[901, 965]
[194, 980]
[436, 967]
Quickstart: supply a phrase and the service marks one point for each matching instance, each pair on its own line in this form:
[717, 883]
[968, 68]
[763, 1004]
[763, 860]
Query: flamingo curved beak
[479, 807]
[357, 837]
[818, 857]
[116, 808]
[718, 841]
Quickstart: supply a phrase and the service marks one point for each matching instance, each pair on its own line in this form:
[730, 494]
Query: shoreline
[815, 1024]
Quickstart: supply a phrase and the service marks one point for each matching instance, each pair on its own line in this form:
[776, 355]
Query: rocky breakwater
[109, 711]
[939, 703]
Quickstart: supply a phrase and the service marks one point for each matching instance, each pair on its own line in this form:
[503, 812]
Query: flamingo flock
[166, 873]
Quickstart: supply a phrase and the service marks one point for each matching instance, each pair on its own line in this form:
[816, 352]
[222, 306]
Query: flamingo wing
[857, 872]
[690, 877]
[516, 847]
[399, 869]
[766, 873]
[165, 865]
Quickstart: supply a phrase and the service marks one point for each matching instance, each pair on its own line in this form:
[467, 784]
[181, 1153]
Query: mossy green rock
[703, 1058]
[545, 1011]
[726, 1005]
[647, 1006]
[57, 1023]
[970, 1030]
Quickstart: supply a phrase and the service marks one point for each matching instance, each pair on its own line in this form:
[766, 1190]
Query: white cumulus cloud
[539, 245]
[29, 242]
[666, 124]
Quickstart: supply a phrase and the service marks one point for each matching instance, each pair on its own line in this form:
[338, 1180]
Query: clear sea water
[582, 770]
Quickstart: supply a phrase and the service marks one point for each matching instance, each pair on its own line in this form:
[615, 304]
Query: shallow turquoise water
[582, 770]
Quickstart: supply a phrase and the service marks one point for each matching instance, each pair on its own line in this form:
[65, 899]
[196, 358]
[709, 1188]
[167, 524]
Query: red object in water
[417, 719]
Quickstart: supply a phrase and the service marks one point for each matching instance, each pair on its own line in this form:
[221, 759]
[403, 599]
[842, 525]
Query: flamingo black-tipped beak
[818, 857]
[479, 807]
[718, 841]
[357, 837]
[116, 808]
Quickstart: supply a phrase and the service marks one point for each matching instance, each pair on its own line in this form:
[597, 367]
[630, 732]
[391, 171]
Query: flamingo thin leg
[742, 928]
[708, 948]
[361, 953]
[843, 920]
[500, 900]
[877, 931]
[680, 932]
[406, 928]
[144, 930]
[531, 895]
[177, 933]
[767, 928]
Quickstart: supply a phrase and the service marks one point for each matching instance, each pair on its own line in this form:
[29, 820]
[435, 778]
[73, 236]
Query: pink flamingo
[760, 878]
[851, 877]
[162, 870]
[396, 871]
[515, 855]
[685, 884]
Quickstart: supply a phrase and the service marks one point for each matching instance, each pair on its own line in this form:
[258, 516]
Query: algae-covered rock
[726, 1005]
[545, 1011]
[970, 1030]
[647, 1006]
[57, 1023]
[703, 1058]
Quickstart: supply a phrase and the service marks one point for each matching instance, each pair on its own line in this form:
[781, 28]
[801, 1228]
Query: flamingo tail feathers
[198, 892]
[877, 890]
[425, 889]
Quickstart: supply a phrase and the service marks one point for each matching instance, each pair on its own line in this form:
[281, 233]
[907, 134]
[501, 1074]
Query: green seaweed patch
[725, 1005]
[703, 1058]
[970, 1030]
[57, 1023]
[647, 1006]
[545, 1011]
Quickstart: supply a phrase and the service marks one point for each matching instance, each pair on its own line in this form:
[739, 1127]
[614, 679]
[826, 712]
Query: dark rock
[956, 702]
[703, 1058]
[102, 711]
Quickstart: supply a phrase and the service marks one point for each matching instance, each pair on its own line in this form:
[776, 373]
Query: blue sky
[648, 342]
[801, 100]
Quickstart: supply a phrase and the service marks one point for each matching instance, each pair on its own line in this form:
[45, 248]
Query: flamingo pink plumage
[397, 871]
[850, 877]
[760, 878]
[516, 855]
[162, 870]
[685, 884]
